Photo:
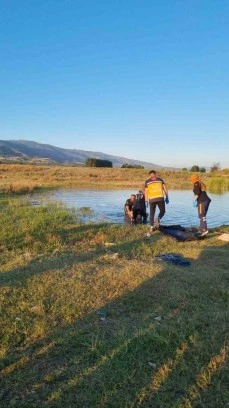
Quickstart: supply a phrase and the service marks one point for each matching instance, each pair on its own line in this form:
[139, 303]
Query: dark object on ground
[180, 233]
[102, 313]
[174, 259]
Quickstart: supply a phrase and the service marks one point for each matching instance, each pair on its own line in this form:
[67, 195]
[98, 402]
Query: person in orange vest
[156, 193]
[201, 201]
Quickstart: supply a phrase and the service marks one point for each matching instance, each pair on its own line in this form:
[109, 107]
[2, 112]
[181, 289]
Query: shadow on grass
[162, 345]
[18, 276]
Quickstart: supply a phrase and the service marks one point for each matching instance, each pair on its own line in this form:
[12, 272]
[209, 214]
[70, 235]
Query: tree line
[93, 162]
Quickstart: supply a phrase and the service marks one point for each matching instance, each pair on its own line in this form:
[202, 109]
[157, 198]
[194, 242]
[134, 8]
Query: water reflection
[108, 206]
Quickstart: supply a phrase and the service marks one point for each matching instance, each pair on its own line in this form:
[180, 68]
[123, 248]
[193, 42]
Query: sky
[141, 79]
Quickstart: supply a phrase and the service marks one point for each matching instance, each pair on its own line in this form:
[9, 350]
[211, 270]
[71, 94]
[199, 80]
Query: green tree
[92, 162]
[195, 168]
[132, 166]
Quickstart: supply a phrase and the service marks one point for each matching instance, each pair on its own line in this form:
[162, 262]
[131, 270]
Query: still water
[107, 205]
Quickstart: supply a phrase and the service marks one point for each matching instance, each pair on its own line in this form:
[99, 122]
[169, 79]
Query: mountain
[23, 151]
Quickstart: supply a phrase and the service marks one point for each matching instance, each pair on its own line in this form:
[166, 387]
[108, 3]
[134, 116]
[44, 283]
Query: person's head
[152, 173]
[133, 197]
[194, 178]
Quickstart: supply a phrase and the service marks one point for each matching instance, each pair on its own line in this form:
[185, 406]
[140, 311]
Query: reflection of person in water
[128, 207]
[139, 208]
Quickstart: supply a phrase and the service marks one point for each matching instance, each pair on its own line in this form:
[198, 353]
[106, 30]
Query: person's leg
[135, 214]
[144, 217]
[207, 206]
[152, 208]
[202, 211]
[161, 206]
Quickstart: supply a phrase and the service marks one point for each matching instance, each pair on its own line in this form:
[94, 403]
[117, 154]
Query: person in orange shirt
[156, 193]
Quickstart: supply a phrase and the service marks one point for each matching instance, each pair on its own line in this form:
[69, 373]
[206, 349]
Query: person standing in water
[156, 193]
[139, 208]
[201, 201]
[128, 207]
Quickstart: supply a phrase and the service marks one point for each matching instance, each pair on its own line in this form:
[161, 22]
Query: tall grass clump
[34, 228]
[218, 184]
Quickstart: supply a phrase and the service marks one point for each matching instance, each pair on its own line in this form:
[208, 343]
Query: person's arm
[166, 193]
[128, 211]
[146, 194]
[196, 190]
[165, 190]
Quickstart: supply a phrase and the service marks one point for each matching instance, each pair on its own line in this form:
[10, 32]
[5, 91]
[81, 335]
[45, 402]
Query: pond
[108, 205]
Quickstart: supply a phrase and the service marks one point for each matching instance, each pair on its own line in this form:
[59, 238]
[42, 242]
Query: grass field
[90, 317]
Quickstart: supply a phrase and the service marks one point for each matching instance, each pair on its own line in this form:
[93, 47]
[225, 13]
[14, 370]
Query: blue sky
[145, 80]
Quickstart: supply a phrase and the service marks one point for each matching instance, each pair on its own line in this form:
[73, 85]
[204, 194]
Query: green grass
[218, 184]
[57, 350]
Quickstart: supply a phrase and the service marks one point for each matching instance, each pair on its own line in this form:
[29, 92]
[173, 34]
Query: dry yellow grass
[16, 178]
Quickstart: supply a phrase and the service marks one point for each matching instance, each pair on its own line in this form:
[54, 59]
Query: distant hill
[23, 151]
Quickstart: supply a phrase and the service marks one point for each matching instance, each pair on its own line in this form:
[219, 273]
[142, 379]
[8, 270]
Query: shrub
[92, 162]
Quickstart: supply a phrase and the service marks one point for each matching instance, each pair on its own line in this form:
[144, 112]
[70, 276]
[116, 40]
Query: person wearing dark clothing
[128, 207]
[201, 201]
[139, 208]
[157, 194]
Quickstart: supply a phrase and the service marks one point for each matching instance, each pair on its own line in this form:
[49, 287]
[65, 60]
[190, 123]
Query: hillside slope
[29, 151]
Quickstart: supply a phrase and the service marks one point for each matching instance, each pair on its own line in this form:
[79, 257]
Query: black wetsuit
[128, 204]
[203, 202]
[139, 208]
